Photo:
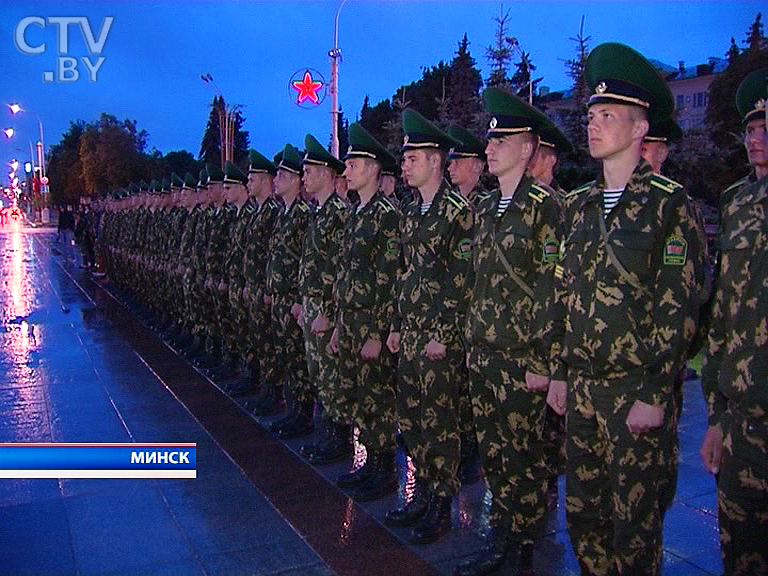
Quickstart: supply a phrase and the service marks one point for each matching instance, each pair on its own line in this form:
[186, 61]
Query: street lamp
[9, 132]
[335, 54]
[15, 109]
[226, 123]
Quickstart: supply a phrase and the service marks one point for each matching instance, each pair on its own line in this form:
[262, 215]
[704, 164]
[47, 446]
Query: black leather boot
[491, 558]
[435, 523]
[358, 477]
[470, 470]
[338, 447]
[302, 425]
[413, 511]
[269, 404]
[286, 420]
[382, 482]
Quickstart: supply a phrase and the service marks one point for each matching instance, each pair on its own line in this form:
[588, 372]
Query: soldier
[436, 247]
[734, 374]
[467, 163]
[516, 247]
[283, 294]
[370, 253]
[627, 307]
[656, 143]
[261, 349]
[317, 275]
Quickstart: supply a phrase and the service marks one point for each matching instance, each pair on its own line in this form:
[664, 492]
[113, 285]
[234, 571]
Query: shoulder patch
[339, 203]
[385, 204]
[736, 184]
[456, 199]
[581, 189]
[666, 184]
[303, 206]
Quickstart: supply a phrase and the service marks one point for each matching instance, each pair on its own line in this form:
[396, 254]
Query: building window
[700, 99]
[680, 101]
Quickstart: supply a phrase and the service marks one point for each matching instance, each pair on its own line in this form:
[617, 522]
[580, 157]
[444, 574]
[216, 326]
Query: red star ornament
[307, 88]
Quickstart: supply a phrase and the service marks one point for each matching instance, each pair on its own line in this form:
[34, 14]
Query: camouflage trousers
[236, 333]
[510, 421]
[260, 343]
[367, 387]
[290, 350]
[743, 495]
[322, 363]
[428, 408]
[554, 443]
[614, 478]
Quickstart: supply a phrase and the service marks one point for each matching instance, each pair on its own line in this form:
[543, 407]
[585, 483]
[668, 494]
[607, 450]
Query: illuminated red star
[307, 88]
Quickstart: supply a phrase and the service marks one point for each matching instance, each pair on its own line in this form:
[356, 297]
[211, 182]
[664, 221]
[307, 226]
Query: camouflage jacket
[219, 242]
[322, 251]
[238, 234]
[435, 262]
[259, 235]
[188, 234]
[200, 246]
[506, 311]
[285, 253]
[735, 374]
[370, 255]
[609, 325]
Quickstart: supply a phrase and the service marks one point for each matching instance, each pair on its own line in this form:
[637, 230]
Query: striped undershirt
[610, 199]
[425, 206]
[504, 202]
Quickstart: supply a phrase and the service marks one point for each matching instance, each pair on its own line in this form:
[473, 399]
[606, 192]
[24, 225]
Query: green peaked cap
[317, 154]
[752, 95]
[363, 145]
[154, 186]
[664, 131]
[617, 74]
[233, 174]
[551, 136]
[511, 114]
[166, 186]
[190, 182]
[143, 186]
[471, 145]
[176, 180]
[420, 133]
[290, 160]
[214, 173]
[260, 163]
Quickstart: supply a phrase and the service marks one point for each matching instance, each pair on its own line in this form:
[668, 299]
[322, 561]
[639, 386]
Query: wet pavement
[77, 366]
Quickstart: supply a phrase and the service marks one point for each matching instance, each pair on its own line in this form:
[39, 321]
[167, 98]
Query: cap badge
[493, 123]
[760, 104]
[601, 88]
[406, 139]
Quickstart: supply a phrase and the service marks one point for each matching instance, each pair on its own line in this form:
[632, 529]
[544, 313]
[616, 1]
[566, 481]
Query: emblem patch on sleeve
[675, 251]
[464, 249]
[551, 251]
[393, 246]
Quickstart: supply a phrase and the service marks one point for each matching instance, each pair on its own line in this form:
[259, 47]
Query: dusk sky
[155, 53]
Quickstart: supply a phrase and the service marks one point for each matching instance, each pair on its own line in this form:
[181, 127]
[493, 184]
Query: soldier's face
[756, 143]
[508, 153]
[316, 179]
[612, 129]
[356, 173]
[285, 182]
[388, 184]
[416, 168]
[465, 171]
[656, 153]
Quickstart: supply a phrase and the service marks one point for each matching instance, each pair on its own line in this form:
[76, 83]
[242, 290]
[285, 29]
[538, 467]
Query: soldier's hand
[267, 299]
[222, 286]
[297, 310]
[371, 349]
[536, 382]
[435, 350]
[556, 395]
[208, 285]
[320, 325]
[712, 448]
[644, 417]
[335, 341]
[246, 293]
[393, 342]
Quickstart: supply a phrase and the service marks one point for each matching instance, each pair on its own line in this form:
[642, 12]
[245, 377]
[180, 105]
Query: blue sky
[156, 52]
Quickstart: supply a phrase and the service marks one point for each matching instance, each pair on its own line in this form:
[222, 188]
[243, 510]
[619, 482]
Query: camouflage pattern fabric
[735, 378]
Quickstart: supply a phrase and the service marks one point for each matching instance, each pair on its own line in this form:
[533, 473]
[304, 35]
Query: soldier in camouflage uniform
[517, 237]
[735, 374]
[317, 275]
[467, 163]
[364, 285]
[261, 349]
[627, 309]
[552, 143]
[283, 296]
[436, 242]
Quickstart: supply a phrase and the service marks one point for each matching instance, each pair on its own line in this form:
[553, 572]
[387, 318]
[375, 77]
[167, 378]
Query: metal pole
[335, 55]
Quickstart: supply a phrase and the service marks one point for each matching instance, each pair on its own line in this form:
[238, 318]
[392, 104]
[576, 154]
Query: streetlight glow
[15, 108]
[9, 132]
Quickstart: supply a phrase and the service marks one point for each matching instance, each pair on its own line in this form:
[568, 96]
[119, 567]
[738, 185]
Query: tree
[464, 107]
[210, 147]
[65, 170]
[733, 52]
[499, 54]
[755, 39]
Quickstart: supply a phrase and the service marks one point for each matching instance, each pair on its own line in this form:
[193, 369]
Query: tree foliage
[210, 147]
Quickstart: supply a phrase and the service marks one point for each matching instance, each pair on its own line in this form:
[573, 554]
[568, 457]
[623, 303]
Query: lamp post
[226, 123]
[44, 214]
[335, 54]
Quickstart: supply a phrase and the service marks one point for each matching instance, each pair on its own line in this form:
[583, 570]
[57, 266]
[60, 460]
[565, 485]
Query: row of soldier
[464, 317]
